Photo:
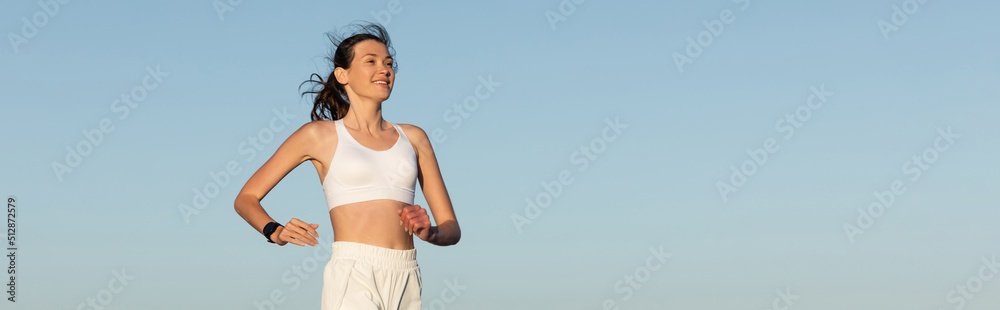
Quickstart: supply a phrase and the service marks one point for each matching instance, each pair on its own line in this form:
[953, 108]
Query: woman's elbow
[456, 234]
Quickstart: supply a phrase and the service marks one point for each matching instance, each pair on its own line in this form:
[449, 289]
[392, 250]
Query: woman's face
[370, 75]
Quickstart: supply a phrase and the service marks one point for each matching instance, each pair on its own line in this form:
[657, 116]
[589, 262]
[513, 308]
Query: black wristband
[269, 230]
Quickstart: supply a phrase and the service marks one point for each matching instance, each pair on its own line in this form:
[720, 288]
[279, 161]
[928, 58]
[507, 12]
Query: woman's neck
[365, 116]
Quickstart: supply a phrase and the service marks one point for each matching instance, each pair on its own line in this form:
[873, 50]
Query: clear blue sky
[202, 83]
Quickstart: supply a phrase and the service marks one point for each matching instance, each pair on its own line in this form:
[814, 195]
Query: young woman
[368, 168]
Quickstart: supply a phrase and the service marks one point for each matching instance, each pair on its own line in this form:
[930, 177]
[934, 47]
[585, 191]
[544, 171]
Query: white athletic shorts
[362, 276]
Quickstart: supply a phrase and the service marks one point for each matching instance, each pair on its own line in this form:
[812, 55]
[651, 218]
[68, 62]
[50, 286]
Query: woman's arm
[295, 150]
[447, 231]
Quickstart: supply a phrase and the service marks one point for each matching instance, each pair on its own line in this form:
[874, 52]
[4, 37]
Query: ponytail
[331, 101]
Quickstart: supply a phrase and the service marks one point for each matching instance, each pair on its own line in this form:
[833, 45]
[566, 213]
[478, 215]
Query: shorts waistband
[375, 255]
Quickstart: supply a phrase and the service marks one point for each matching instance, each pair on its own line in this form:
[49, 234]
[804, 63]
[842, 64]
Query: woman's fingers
[298, 232]
[414, 219]
[311, 228]
[404, 219]
[304, 235]
[301, 234]
[419, 224]
[287, 236]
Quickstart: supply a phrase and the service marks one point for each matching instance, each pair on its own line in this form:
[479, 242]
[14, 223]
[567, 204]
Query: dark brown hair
[331, 102]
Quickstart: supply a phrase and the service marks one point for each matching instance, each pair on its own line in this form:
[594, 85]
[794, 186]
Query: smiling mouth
[382, 83]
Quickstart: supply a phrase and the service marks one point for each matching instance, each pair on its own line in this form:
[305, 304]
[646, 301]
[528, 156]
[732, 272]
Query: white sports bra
[358, 173]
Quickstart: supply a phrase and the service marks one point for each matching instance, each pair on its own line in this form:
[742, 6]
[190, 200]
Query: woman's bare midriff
[373, 222]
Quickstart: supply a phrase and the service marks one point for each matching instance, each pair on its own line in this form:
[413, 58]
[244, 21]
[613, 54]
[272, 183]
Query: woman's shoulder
[317, 129]
[417, 136]
[320, 124]
[413, 132]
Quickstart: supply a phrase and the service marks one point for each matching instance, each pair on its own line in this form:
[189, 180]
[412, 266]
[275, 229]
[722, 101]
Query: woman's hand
[415, 221]
[297, 232]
